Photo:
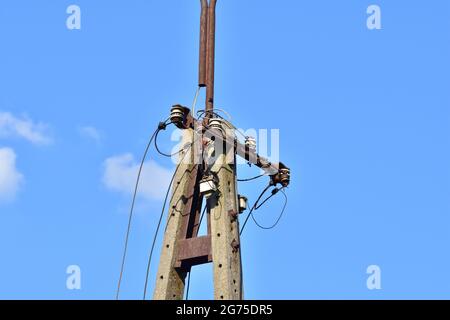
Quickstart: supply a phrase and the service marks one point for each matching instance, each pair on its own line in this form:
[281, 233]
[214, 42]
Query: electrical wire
[251, 179]
[188, 285]
[274, 192]
[164, 153]
[279, 217]
[159, 225]
[258, 205]
[253, 208]
[131, 213]
[201, 218]
[224, 112]
[200, 113]
[195, 99]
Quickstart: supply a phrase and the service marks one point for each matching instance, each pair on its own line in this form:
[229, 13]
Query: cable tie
[162, 126]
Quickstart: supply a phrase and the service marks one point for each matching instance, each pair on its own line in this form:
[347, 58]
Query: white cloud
[120, 173]
[23, 127]
[10, 177]
[91, 133]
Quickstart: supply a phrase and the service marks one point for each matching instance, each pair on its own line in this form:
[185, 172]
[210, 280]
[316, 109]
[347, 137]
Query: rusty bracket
[283, 177]
[233, 215]
[235, 245]
[194, 251]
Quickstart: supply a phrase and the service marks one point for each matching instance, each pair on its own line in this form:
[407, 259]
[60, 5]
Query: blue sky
[363, 118]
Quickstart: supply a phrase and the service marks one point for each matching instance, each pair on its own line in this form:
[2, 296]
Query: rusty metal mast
[182, 247]
[207, 52]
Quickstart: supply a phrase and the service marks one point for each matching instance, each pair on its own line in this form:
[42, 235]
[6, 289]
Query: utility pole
[207, 172]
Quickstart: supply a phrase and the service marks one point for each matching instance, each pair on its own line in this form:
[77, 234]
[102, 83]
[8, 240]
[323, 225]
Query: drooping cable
[224, 112]
[130, 218]
[274, 192]
[254, 207]
[194, 103]
[164, 153]
[251, 179]
[258, 205]
[201, 113]
[279, 217]
[201, 218]
[159, 224]
[188, 284]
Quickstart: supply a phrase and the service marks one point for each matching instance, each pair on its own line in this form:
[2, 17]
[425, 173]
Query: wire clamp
[162, 126]
[235, 245]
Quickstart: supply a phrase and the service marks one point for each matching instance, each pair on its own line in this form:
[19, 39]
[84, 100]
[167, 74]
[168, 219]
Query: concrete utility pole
[208, 170]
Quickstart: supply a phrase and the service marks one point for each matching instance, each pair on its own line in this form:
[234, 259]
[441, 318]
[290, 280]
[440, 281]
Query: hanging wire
[202, 112]
[254, 206]
[201, 218]
[159, 224]
[194, 103]
[188, 284]
[164, 153]
[274, 192]
[279, 217]
[240, 132]
[224, 112]
[258, 205]
[130, 218]
[251, 179]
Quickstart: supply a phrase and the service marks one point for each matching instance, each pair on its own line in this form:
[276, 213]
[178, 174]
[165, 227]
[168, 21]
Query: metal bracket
[233, 215]
[235, 245]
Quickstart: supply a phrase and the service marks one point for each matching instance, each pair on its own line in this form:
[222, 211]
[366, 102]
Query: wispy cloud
[23, 127]
[90, 133]
[10, 177]
[120, 174]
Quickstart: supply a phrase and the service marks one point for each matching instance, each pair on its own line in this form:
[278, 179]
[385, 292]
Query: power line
[131, 212]
[159, 224]
[194, 103]
[187, 146]
[258, 205]
[274, 192]
[279, 217]
[188, 285]
[201, 113]
[251, 179]
[253, 207]
[201, 218]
